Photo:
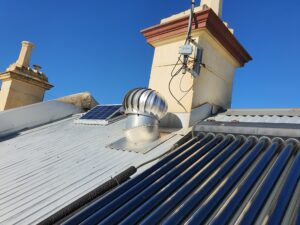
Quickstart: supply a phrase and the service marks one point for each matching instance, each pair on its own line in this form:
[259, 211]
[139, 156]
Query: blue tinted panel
[101, 112]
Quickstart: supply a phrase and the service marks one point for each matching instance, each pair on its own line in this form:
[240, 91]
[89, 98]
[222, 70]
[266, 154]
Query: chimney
[216, 53]
[22, 85]
[25, 54]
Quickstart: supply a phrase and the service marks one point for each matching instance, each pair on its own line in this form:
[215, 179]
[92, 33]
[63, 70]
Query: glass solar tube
[206, 144]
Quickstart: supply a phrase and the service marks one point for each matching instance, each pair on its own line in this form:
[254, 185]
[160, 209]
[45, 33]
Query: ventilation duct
[144, 108]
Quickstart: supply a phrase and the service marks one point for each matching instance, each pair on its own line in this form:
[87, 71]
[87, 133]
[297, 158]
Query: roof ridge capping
[263, 112]
[204, 19]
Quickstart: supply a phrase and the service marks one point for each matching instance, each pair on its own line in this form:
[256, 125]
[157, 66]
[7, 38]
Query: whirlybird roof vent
[144, 108]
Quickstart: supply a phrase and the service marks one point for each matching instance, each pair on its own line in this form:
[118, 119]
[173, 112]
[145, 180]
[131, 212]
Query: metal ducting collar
[144, 108]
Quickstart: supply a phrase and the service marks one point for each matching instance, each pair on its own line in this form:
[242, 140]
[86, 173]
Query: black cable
[154, 159]
[173, 75]
[172, 94]
[190, 25]
[170, 82]
[187, 91]
[185, 61]
[189, 34]
[182, 141]
[175, 65]
[180, 84]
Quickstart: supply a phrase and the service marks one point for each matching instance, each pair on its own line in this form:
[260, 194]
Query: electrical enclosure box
[198, 61]
[185, 50]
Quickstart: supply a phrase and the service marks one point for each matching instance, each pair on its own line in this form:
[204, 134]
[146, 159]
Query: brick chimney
[22, 85]
[221, 55]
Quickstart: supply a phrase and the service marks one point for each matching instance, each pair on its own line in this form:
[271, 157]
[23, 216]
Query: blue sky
[96, 45]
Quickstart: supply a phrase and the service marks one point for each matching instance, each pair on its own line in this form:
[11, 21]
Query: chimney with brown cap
[221, 55]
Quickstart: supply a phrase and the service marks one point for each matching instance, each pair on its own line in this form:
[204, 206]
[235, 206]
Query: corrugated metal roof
[30, 116]
[46, 168]
[289, 116]
[215, 179]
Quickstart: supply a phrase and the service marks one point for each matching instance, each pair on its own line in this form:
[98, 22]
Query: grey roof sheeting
[287, 116]
[212, 178]
[30, 116]
[264, 112]
[46, 168]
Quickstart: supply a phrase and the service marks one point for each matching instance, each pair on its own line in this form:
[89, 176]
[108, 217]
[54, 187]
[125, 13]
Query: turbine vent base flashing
[124, 144]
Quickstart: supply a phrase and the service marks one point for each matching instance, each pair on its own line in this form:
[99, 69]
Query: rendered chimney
[221, 55]
[25, 54]
[215, 5]
[22, 85]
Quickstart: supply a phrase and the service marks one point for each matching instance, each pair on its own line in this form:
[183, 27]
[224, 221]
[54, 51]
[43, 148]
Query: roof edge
[27, 117]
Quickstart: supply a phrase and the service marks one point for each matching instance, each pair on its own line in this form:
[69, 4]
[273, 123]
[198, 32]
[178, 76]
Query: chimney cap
[28, 43]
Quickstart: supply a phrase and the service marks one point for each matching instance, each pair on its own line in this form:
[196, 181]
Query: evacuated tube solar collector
[144, 108]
